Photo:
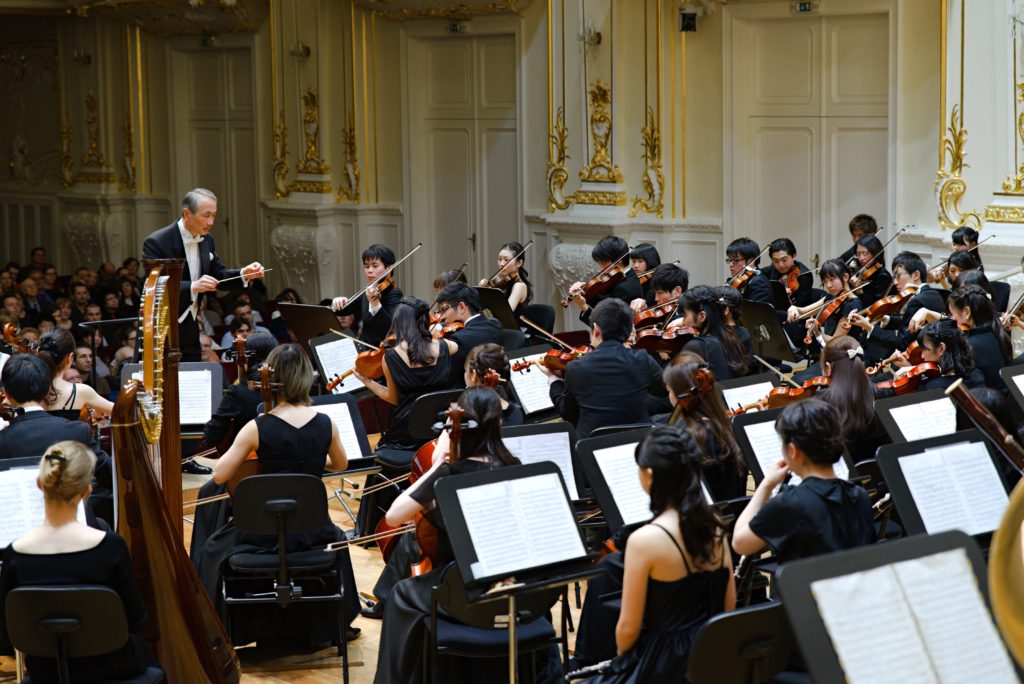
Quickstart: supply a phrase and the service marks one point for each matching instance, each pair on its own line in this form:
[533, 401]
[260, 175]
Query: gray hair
[193, 197]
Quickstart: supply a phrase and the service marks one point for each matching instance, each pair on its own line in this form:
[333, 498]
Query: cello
[251, 464]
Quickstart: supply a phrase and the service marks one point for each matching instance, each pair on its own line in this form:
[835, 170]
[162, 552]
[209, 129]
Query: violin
[647, 275]
[791, 281]
[888, 305]
[784, 396]
[555, 360]
[500, 279]
[603, 282]
[826, 312]
[251, 464]
[743, 278]
[654, 315]
[447, 330]
[907, 383]
[368, 363]
[912, 354]
[668, 340]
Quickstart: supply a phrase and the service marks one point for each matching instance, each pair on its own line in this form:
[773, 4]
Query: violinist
[971, 308]
[376, 305]
[292, 437]
[608, 385]
[869, 257]
[645, 258]
[408, 604]
[716, 342]
[732, 310]
[851, 394]
[459, 305]
[488, 366]
[66, 399]
[741, 254]
[668, 283]
[885, 336]
[794, 276]
[965, 239]
[835, 279]
[944, 344]
[606, 253]
[512, 278]
[860, 225]
[449, 276]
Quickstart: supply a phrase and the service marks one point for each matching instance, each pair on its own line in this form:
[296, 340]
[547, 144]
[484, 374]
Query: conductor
[189, 238]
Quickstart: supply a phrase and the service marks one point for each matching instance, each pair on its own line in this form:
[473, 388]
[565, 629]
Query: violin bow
[545, 333]
[356, 339]
[945, 262]
[647, 273]
[879, 253]
[605, 269]
[775, 370]
[814, 312]
[512, 260]
[387, 271]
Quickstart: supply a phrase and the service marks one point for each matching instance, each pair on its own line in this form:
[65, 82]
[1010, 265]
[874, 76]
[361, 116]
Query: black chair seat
[298, 562]
[394, 458]
[152, 675]
[459, 637]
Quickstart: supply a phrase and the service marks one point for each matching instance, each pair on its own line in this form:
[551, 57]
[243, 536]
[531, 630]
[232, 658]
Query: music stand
[496, 301]
[467, 503]
[100, 325]
[530, 386]
[186, 402]
[426, 412]
[761, 446]
[309, 321]
[1013, 376]
[892, 458]
[621, 498]
[923, 414]
[746, 390]
[766, 333]
[553, 442]
[801, 582]
[330, 354]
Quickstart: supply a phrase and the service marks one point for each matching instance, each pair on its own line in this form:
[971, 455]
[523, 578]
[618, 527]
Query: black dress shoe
[374, 612]
[193, 468]
[352, 633]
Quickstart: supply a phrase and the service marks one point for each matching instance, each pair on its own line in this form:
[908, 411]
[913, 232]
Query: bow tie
[194, 240]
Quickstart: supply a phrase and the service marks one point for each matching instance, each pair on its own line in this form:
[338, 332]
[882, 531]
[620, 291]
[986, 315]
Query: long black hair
[849, 389]
[483, 406]
[703, 298]
[959, 357]
[983, 314]
[674, 458]
[514, 248]
[409, 324]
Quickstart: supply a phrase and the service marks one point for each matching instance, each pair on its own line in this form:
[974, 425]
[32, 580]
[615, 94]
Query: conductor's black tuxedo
[32, 433]
[166, 243]
[478, 330]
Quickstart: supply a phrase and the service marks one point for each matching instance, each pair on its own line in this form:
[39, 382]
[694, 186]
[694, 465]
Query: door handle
[472, 240]
[816, 260]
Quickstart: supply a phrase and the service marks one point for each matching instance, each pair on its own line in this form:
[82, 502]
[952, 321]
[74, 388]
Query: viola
[603, 282]
[555, 360]
[908, 382]
[654, 315]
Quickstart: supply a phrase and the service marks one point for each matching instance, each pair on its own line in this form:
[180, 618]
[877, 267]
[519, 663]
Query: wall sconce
[300, 50]
[82, 57]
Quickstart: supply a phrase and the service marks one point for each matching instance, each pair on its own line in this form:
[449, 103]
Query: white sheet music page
[618, 467]
[979, 485]
[953, 620]
[336, 357]
[748, 394]
[531, 386]
[3, 360]
[871, 628]
[536, 527]
[342, 417]
[765, 443]
[22, 504]
[926, 419]
[195, 391]
[551, 446]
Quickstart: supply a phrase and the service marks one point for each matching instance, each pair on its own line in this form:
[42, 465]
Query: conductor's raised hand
[206, 283]
[253, 271]
[339, 303]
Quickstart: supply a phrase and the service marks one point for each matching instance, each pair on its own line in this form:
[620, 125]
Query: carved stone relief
[82, 229]
[569, 264]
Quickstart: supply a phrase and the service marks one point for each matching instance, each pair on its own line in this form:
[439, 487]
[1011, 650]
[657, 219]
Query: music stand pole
[512, 659]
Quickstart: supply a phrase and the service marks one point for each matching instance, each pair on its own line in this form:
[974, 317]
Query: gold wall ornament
[128, 180]
[349, 188]
[600, 198]
[311, 161]
[93, 155]
[557, 173]
[66, 173]
[1014, 185]
[407, 10]
[600, 169]
[318, 187]
[997, 213]
[950, 187]
[653, 179]
[280, 164]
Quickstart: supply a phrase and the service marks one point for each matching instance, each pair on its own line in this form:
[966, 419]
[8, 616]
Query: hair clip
[859, 351]
[56, 455]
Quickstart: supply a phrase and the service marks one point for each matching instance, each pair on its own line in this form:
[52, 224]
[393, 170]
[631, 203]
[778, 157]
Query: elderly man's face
[202, 221]
[206, 344]
[13, 306]
[29, 288]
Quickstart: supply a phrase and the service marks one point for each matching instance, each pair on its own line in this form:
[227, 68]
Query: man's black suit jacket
[480, 330]
[32, 433]
[759, 290]
[376, 327]
[166, 243]
[608, 386]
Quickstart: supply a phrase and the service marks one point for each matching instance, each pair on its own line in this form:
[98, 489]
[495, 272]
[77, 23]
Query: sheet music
[765, 443]
[342, 417]
[1018, 380]
[537, 526]
[195, 392]
[925, 419]
[3, 360]
[551, 446]
[531, 386]
[936, 625]
[840, 468]
[337, 357]
[748, 394]
[22, 503]
[618, 467]
[956, 488]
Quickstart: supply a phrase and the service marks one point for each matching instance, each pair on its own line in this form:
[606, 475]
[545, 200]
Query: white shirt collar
[471, 318]
[186, 237]
[29, 409]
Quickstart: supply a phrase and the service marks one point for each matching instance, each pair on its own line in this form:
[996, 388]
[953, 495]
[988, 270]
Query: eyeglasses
[734, 261]
[442, 310]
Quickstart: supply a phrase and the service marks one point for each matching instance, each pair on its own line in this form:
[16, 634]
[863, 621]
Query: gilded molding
[280, 166]
[99, 178]
[600, 197]
[1014, 185]
[67, 161]
[311, 161]
[460, 12]
[93, 155]
[653, 179]
[557, 173]
[950, 187]
[600, 169]
[349, 188]
[995, 213]
[128, 180]
[321, 187]
[19, 163]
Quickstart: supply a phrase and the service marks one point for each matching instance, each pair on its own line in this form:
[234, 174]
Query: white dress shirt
[194, 266]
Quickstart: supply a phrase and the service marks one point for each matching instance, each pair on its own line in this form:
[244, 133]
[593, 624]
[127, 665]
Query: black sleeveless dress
[68, 410]
[673, 614]
[411, 384]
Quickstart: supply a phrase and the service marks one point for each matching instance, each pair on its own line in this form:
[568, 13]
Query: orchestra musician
[644, 258]
[965, 239]
[376, 305]
[869, 257]
[64, 551]
[66, 399]
[609, 384]
[291, 437]
[717, 342]
[860, 226]
[835, 280]
[743, 253]
[189, 238]
[459, 303]
[943, 343]
[667, 284]
[784, 265]
[608, 252]
[998, 291]
[851, 394]
[732, 310]
[512, 277]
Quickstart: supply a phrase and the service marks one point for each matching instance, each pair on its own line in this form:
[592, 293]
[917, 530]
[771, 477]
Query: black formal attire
[848, 255]
[815, 517]
[477, 330]
[875, 287]
[606, 387]
[167, 243]
[1001, 295]
[863, 444]
[237, 407]
[107, 564]
[627, 289]
[973, 379]
[882, 342]
[988, 356]
[711, 350]
[374, 327]
[758, 289]
[283, 448]
[33, 432]
[512, 415]
[805, 281]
